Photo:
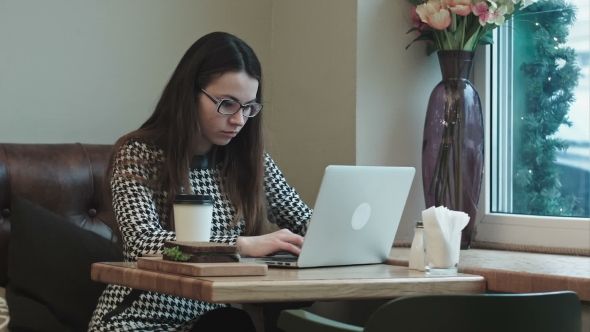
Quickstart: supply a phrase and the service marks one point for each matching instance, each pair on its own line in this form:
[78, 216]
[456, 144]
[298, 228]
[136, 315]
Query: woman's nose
[238, 118]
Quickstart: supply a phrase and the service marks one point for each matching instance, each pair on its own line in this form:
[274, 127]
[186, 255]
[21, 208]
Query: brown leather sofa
[54, 184]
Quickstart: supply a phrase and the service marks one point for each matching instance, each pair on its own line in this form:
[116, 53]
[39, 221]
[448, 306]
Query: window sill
[519, 272]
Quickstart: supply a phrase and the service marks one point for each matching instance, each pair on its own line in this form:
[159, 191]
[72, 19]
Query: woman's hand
[256, 246]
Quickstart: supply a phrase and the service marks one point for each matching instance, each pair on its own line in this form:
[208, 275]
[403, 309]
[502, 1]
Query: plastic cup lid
[192, 199]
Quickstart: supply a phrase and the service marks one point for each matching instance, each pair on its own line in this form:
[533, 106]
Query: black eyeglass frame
[218, 103]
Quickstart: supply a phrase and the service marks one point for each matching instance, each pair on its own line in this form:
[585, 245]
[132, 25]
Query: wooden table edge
[257, 291]
[518, 282]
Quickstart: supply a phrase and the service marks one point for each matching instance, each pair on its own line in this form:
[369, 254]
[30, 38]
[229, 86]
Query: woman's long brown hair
[174, 128]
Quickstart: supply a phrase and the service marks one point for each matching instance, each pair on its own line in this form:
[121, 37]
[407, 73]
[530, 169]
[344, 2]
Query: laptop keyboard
[278, 259]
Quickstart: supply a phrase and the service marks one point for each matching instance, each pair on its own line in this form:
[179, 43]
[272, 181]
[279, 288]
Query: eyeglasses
[231, 107]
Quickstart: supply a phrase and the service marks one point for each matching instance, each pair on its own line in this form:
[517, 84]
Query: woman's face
[216, 128]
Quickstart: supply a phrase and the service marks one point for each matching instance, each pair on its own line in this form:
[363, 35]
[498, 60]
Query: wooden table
[519, 272]
[361, 282]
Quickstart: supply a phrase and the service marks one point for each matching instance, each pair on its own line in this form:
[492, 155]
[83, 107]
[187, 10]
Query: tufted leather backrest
[63, 178]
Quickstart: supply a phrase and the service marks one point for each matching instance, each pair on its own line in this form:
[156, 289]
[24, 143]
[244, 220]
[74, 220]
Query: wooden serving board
[202, 269]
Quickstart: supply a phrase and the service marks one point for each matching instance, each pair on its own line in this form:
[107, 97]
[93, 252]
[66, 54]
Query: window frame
[563, 232]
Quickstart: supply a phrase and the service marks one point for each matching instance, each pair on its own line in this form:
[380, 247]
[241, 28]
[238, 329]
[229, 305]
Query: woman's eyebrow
[236, 99]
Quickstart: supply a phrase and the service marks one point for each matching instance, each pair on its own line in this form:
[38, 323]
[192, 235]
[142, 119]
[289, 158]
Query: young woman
[211, 107]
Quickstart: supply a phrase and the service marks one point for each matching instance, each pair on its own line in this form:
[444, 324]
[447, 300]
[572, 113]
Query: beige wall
[344, 91]
[312, 118]
[91, 71]
[393, 87]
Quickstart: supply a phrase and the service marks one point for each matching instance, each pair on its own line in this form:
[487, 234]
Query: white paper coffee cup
[193, 215]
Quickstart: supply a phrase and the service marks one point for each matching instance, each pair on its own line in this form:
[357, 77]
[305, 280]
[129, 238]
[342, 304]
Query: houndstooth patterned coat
[142, 214]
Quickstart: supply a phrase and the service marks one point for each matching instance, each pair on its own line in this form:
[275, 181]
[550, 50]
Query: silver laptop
[355, 218]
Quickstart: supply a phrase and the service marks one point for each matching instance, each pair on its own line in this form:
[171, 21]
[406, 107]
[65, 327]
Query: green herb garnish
[176, 255]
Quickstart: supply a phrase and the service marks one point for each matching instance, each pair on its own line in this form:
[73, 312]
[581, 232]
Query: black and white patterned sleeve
[285, 207]
[138, 208]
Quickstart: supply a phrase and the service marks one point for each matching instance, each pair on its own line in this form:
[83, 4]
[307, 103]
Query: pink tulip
[424, 27]
[434, 14]
[417, 22]
[459, 7]
[440, 20]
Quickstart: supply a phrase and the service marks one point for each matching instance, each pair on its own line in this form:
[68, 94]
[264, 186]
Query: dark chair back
[63, 178]
[538, 312]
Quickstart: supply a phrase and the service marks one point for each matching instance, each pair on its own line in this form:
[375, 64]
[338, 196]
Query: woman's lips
[230, 134]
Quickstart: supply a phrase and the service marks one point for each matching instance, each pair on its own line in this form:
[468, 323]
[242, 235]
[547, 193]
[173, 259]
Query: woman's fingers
[291, 248]
[290, 242]
[269, 243]
[288, 236]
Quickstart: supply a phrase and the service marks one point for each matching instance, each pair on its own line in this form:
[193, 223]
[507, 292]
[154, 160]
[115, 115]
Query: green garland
[549, 94]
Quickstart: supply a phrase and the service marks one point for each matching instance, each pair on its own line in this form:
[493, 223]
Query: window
[536, 194]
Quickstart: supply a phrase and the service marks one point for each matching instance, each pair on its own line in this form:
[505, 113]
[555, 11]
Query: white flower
[493, 5]
[526, 3]
[497, 16]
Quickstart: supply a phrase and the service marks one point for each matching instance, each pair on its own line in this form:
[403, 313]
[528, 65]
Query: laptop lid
[356, 215]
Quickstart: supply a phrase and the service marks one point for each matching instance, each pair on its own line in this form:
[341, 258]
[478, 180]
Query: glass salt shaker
[417, 248]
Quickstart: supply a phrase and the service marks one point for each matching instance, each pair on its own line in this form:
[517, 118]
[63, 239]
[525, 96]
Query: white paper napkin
[441, 227]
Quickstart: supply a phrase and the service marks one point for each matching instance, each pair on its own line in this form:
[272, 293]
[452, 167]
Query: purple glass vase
[452, 149]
